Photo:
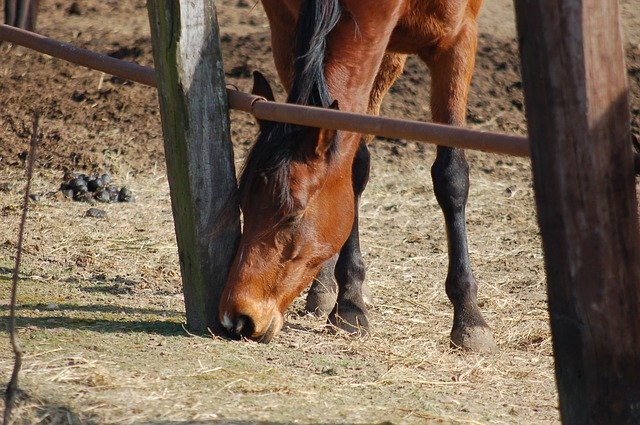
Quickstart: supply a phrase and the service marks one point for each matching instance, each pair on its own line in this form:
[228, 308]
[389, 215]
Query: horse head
[297, 202]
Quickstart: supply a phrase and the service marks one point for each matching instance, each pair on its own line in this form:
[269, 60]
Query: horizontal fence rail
[284, 112]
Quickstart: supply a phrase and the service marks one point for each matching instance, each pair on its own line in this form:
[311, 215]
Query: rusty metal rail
[284, 112]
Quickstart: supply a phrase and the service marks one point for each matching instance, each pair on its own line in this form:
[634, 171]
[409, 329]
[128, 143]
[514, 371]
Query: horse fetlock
[351, 271]
[467, 314]
[462, 289]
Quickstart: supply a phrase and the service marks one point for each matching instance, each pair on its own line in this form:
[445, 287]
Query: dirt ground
[101, 309]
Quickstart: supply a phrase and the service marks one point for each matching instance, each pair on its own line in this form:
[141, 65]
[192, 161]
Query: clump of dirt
[96, 187]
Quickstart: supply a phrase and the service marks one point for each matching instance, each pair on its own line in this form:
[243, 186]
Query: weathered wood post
[578, 117]
[200, 168]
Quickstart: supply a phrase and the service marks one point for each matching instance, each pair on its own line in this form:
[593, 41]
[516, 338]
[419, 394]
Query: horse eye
[292, 220]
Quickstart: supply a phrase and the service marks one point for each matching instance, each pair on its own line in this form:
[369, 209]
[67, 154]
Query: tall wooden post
[578, 117]
[200, 168]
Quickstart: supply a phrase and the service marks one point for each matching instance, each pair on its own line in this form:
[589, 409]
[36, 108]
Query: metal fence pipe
[283, 112]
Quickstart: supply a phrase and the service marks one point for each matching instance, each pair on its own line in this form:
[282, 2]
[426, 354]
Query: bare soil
[100, 302]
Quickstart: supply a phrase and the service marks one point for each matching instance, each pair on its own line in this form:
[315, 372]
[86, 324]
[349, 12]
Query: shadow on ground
[127, 319]
[28, 409]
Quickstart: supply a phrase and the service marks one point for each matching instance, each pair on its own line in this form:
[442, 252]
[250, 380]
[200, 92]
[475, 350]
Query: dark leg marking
[450, 174]
[350, 312]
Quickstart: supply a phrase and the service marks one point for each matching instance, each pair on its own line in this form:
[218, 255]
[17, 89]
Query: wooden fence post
[200, 167]
[578, 116]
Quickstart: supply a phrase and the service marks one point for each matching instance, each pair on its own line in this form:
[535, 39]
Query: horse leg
[282, 24]
[350, 311]
[390, 69]
[451, 68]
[32, 14]
[323, 293]
[10, 12]
[21, 14]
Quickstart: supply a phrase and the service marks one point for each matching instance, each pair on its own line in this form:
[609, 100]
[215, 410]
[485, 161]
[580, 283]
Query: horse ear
[261, 86]
[326, 137]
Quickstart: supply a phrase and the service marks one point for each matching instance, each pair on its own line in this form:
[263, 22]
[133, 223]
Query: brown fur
[366, 53]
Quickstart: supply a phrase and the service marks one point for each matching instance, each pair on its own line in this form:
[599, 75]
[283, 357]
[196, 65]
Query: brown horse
[300, 187]
[21, 13]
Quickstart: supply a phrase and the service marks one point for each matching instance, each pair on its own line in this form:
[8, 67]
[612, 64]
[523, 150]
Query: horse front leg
[451, 70]
[350, 311]
[323, 293]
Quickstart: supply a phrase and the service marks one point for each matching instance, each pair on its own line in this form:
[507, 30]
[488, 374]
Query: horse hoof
[478, 339]
[351, 320]
[320, 303]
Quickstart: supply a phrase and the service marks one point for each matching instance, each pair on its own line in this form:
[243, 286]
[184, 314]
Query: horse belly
[427, 23]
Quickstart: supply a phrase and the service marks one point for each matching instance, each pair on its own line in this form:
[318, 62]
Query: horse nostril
[244, 326]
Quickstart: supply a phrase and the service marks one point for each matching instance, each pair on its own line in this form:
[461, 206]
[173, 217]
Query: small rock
[102, 196]
[106, 179]
[67, 192]
[52, 306]
[79, 190]
[76, 182]
[511, 191]
[125, 195]
[113, 193]
[95, 213]
[84, 197]
[94, 184]
[34, 197]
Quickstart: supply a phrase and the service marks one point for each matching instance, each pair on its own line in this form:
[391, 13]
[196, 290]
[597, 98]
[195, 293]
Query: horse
[300, 187]
[21, 13]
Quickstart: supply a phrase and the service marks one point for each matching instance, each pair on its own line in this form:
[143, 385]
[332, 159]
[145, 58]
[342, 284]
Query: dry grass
[101, 311]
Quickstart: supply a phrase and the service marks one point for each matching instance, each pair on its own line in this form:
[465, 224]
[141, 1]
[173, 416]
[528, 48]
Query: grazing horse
[300, 186]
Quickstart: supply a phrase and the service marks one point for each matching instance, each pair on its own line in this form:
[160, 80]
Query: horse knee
[450, 175]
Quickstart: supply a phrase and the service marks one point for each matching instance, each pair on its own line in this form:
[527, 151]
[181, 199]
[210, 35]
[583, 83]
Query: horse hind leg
[323, 293]
[21, 14]
[390, 69]
[451, 71]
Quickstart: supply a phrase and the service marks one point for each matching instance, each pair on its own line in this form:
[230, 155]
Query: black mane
[271, 155]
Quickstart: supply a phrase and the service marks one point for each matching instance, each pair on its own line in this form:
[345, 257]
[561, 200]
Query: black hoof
[351, 319]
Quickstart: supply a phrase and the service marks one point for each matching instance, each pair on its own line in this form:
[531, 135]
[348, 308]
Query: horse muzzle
[259, 328]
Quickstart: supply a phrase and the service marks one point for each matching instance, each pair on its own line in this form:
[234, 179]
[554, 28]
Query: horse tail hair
[315, 21]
